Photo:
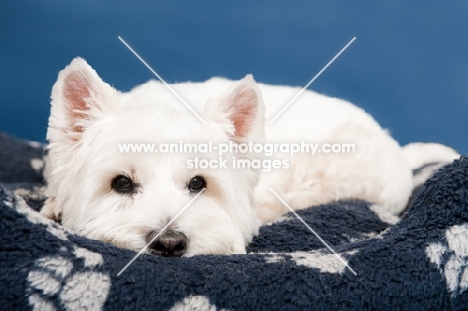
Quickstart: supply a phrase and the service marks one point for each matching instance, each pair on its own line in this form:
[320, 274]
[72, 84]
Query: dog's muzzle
[168, 244]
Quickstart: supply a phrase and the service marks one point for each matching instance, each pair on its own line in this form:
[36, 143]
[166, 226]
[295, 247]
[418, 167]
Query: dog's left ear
[240, 111]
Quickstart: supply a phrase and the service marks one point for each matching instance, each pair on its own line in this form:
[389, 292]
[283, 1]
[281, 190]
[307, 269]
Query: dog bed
[418, 262]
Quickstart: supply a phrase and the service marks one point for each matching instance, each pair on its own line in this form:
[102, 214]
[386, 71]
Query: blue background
[408, 66]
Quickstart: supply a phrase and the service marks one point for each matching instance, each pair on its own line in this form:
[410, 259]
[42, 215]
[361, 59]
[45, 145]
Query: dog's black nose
[168, 244]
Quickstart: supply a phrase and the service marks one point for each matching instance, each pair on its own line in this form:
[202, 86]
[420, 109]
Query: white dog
[126, 198]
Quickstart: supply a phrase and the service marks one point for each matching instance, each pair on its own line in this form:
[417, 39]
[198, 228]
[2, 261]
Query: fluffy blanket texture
[418, 262]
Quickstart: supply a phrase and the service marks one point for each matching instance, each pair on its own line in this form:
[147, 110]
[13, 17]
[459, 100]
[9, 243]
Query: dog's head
[126, 198]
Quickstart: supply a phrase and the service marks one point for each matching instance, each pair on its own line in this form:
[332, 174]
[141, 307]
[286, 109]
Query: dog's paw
[269, 209]
[68, 281]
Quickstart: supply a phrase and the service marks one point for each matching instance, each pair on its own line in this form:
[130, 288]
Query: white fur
[83, 159]
[427, 158]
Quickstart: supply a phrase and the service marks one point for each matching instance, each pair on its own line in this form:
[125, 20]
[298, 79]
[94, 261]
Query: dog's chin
[228, 244]
[193, 250]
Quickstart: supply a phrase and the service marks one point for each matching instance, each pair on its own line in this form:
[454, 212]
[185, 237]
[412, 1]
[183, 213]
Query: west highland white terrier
[125, 198]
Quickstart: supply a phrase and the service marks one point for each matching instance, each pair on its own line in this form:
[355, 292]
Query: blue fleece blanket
[417, 263]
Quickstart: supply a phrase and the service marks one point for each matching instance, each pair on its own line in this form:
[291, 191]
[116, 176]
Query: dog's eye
[196, 184]
[122, 184]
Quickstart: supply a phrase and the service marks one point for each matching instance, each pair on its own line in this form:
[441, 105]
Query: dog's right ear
[240, 111]
[79, 98]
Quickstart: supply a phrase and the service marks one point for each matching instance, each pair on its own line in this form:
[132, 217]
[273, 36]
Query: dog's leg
[376, 172]
[50, 211]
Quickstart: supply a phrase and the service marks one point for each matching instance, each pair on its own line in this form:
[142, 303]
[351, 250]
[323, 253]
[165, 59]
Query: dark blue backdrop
[408, 66]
